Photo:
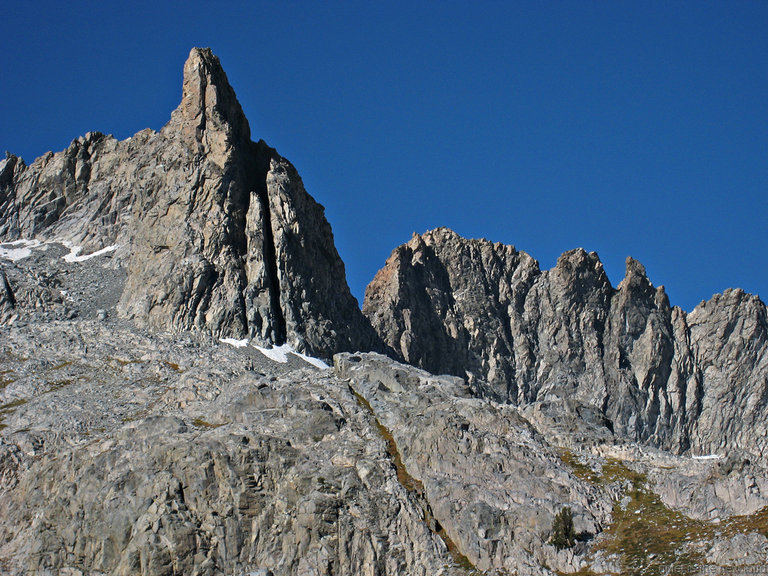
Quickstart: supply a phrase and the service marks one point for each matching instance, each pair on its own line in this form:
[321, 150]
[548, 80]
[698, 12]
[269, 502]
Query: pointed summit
[208, 102]
[214, 232]
[227, 240]
[636, 283]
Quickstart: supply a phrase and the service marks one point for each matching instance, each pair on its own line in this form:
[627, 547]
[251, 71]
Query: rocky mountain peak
[208, 104]
[214, 232]
[221, 458]
[438, 235]
[634, 269]
[581, 272]
[635, 278]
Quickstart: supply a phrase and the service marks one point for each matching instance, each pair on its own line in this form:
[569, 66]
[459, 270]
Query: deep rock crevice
[251, 463]
[262, 155]
[216, 232]
[7, 290]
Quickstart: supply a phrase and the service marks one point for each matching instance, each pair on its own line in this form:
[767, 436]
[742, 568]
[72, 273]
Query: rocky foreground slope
[159, 414]
[128, 452]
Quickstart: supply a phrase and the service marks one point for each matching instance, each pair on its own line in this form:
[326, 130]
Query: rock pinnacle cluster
[488, 313]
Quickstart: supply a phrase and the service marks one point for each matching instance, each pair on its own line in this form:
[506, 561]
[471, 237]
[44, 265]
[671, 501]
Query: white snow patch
[276, 353]
[314, 361]
[18, 249]
[708, 457]
[280, 354]
[234, 342]
[75, 250]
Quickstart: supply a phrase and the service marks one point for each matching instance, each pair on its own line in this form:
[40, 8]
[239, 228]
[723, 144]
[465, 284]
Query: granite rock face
[487, 312]
[216, 232]
[125, 453]
[495, 476]
[129, 452]
[450, 442]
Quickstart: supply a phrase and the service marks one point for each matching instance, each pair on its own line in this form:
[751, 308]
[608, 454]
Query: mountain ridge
[156, 419]
[216, 232]
[486, 312]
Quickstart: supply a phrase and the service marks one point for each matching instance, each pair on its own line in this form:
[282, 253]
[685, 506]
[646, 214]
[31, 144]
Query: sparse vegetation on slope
[646, 535]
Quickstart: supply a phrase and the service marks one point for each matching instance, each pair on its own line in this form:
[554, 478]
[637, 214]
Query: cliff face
[487, 312]
[216, 232]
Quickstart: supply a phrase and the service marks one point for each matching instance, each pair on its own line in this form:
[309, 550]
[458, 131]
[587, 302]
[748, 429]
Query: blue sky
[628, 128]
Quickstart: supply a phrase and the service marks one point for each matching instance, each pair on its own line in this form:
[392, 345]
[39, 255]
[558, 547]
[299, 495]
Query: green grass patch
[10, 406]
[58, 385]
[409, 482]
[580, 470]
[5, 379]
[756, 522]
[458, 558]
[200, 423]
[649, 537]
[123, 362]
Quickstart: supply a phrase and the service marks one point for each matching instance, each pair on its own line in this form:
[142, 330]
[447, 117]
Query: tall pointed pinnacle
[208, 103]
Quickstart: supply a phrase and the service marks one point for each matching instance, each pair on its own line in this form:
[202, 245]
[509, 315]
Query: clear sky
[628, 128]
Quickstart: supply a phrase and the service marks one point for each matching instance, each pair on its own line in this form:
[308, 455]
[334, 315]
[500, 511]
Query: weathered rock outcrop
[127, 452]
[216, 231]
[136, 454]
[451, 443]
[495, 476]
[486, 311]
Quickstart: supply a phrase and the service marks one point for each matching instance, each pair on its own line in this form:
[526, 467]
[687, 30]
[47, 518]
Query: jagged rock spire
[229, 241]
[217, 232]
[208, 101]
